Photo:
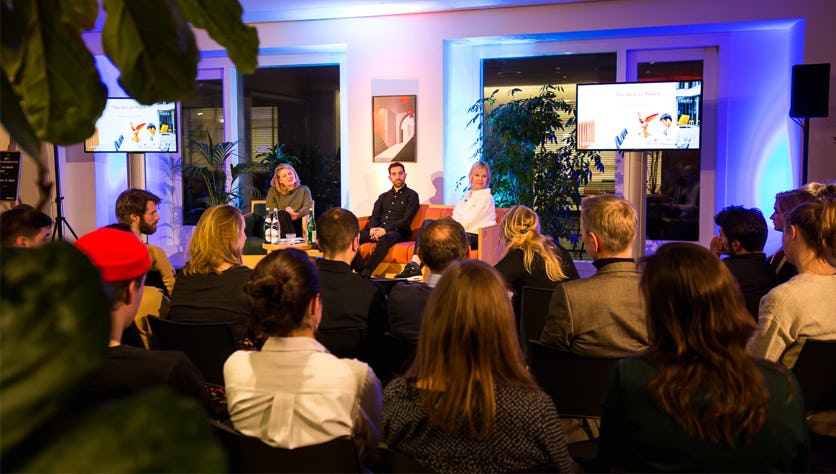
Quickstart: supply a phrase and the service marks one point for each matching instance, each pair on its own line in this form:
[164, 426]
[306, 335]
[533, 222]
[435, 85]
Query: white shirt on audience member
[295, 393]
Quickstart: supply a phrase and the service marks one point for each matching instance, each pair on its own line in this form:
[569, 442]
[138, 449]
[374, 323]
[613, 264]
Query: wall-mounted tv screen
[629, 116]
[126, 126]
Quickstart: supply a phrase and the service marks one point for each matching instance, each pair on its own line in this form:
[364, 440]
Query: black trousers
[380, 250]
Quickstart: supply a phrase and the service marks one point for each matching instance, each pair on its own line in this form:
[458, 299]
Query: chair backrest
[249, 454]
[534, 305]
[208, 345]
[398, 355]
[816, 373]
[576, 384]
[395, 461]
[347, 343]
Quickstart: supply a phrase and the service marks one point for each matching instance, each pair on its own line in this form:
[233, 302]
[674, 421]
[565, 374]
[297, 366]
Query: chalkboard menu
[9, 175]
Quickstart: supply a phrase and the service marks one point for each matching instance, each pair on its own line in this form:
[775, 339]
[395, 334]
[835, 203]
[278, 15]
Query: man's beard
[146, 228]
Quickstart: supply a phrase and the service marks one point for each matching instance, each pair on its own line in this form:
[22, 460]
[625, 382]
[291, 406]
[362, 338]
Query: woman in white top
[474, 211]
[293, 392]
[803, 307]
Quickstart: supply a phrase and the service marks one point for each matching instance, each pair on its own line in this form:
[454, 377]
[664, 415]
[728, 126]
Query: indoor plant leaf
[156, 431]
[156, 53]
[82, 13]
[55, 321]
[14, 119]
[222, 20]
[52, 72]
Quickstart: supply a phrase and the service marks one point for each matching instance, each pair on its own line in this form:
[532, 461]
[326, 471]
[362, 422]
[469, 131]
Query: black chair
[397, 357]
[346, 343]
[208, 345]
[534, 306]
[816, 373]
[395, 462]
[577, 386]
[249, 454]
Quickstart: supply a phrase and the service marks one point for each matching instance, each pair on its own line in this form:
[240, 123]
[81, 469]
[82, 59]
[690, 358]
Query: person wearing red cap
[122, 261]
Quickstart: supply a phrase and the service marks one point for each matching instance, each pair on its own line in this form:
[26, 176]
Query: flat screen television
[638, 116]
[126, 126]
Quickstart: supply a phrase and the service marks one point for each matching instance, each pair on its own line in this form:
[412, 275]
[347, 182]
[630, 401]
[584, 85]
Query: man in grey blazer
[603, 315]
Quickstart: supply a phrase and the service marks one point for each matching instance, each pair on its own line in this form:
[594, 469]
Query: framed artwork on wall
[394, 132]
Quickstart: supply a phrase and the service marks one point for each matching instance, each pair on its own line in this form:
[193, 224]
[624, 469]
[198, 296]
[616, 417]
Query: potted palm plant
[529, 164]
[213, 160]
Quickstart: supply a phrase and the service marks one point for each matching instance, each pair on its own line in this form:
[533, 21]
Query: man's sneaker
[411, 272]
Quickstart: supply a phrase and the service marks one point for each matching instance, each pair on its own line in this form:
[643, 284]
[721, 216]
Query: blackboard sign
[9, 175]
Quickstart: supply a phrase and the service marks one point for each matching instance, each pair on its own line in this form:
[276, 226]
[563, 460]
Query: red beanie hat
[119, 255]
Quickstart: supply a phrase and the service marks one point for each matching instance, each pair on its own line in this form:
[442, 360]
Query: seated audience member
[785, 201]
[531, 259]
[24, 226]
[291, 198]
[154, 302]
[390, 220]
[211, 287]
[804, 307]
[294, 393]
[443, 241]
[474, 211]
[601, 316]
[695, 401]
[123, 261]
[468, 404]
[742, 237]
[137, 208]
[348, 300]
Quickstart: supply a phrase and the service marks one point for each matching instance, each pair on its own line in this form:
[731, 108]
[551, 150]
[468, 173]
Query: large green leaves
[240, 40]
[155, 52]
[55, 321]
[52, 73]
[53, 77]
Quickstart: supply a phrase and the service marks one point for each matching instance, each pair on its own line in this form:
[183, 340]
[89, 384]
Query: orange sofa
[490, 245]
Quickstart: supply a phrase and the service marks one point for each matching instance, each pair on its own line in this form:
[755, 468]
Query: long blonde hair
[468, 341]
[280, 187]
[521, 230]
[215, 240]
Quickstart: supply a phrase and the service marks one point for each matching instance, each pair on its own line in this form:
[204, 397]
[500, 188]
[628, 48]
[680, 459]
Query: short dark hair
[746, 226]
[442, 241]
[280, 288]
[151, 125]
[22, 220]
[336, 228]
[396, 164]
[133, 201]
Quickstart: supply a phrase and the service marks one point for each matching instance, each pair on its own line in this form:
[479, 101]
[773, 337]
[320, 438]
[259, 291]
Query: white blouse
[475, 210]
[295, 393]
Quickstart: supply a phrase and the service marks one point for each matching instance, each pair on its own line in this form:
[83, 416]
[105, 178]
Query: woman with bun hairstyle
[804, 307]
[293, 392]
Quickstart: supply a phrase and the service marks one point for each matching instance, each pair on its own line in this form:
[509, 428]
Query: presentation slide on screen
[638, 116]
[129, 127]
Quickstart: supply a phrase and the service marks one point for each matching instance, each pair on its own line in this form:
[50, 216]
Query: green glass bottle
[311, 226]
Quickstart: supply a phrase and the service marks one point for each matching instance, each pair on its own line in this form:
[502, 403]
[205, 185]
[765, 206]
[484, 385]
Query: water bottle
[311, 226]
[277, 227]
[268, 226]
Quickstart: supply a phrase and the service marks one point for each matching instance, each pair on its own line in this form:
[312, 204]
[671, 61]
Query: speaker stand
[60, 220]
[805, 127]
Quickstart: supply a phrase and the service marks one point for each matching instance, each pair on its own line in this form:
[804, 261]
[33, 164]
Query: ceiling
[298, 10]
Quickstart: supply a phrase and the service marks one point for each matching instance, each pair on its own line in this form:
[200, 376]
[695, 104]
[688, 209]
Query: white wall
[411, 48]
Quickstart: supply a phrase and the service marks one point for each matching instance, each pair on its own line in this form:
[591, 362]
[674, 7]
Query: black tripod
[60, 220]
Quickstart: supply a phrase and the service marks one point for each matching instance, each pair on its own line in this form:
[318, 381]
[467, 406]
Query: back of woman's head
[521, 230]
[699, 327]
[816, 222]
[215, 240]
[467, 341]
[820, 191]
[693, 303]
[279, 291]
